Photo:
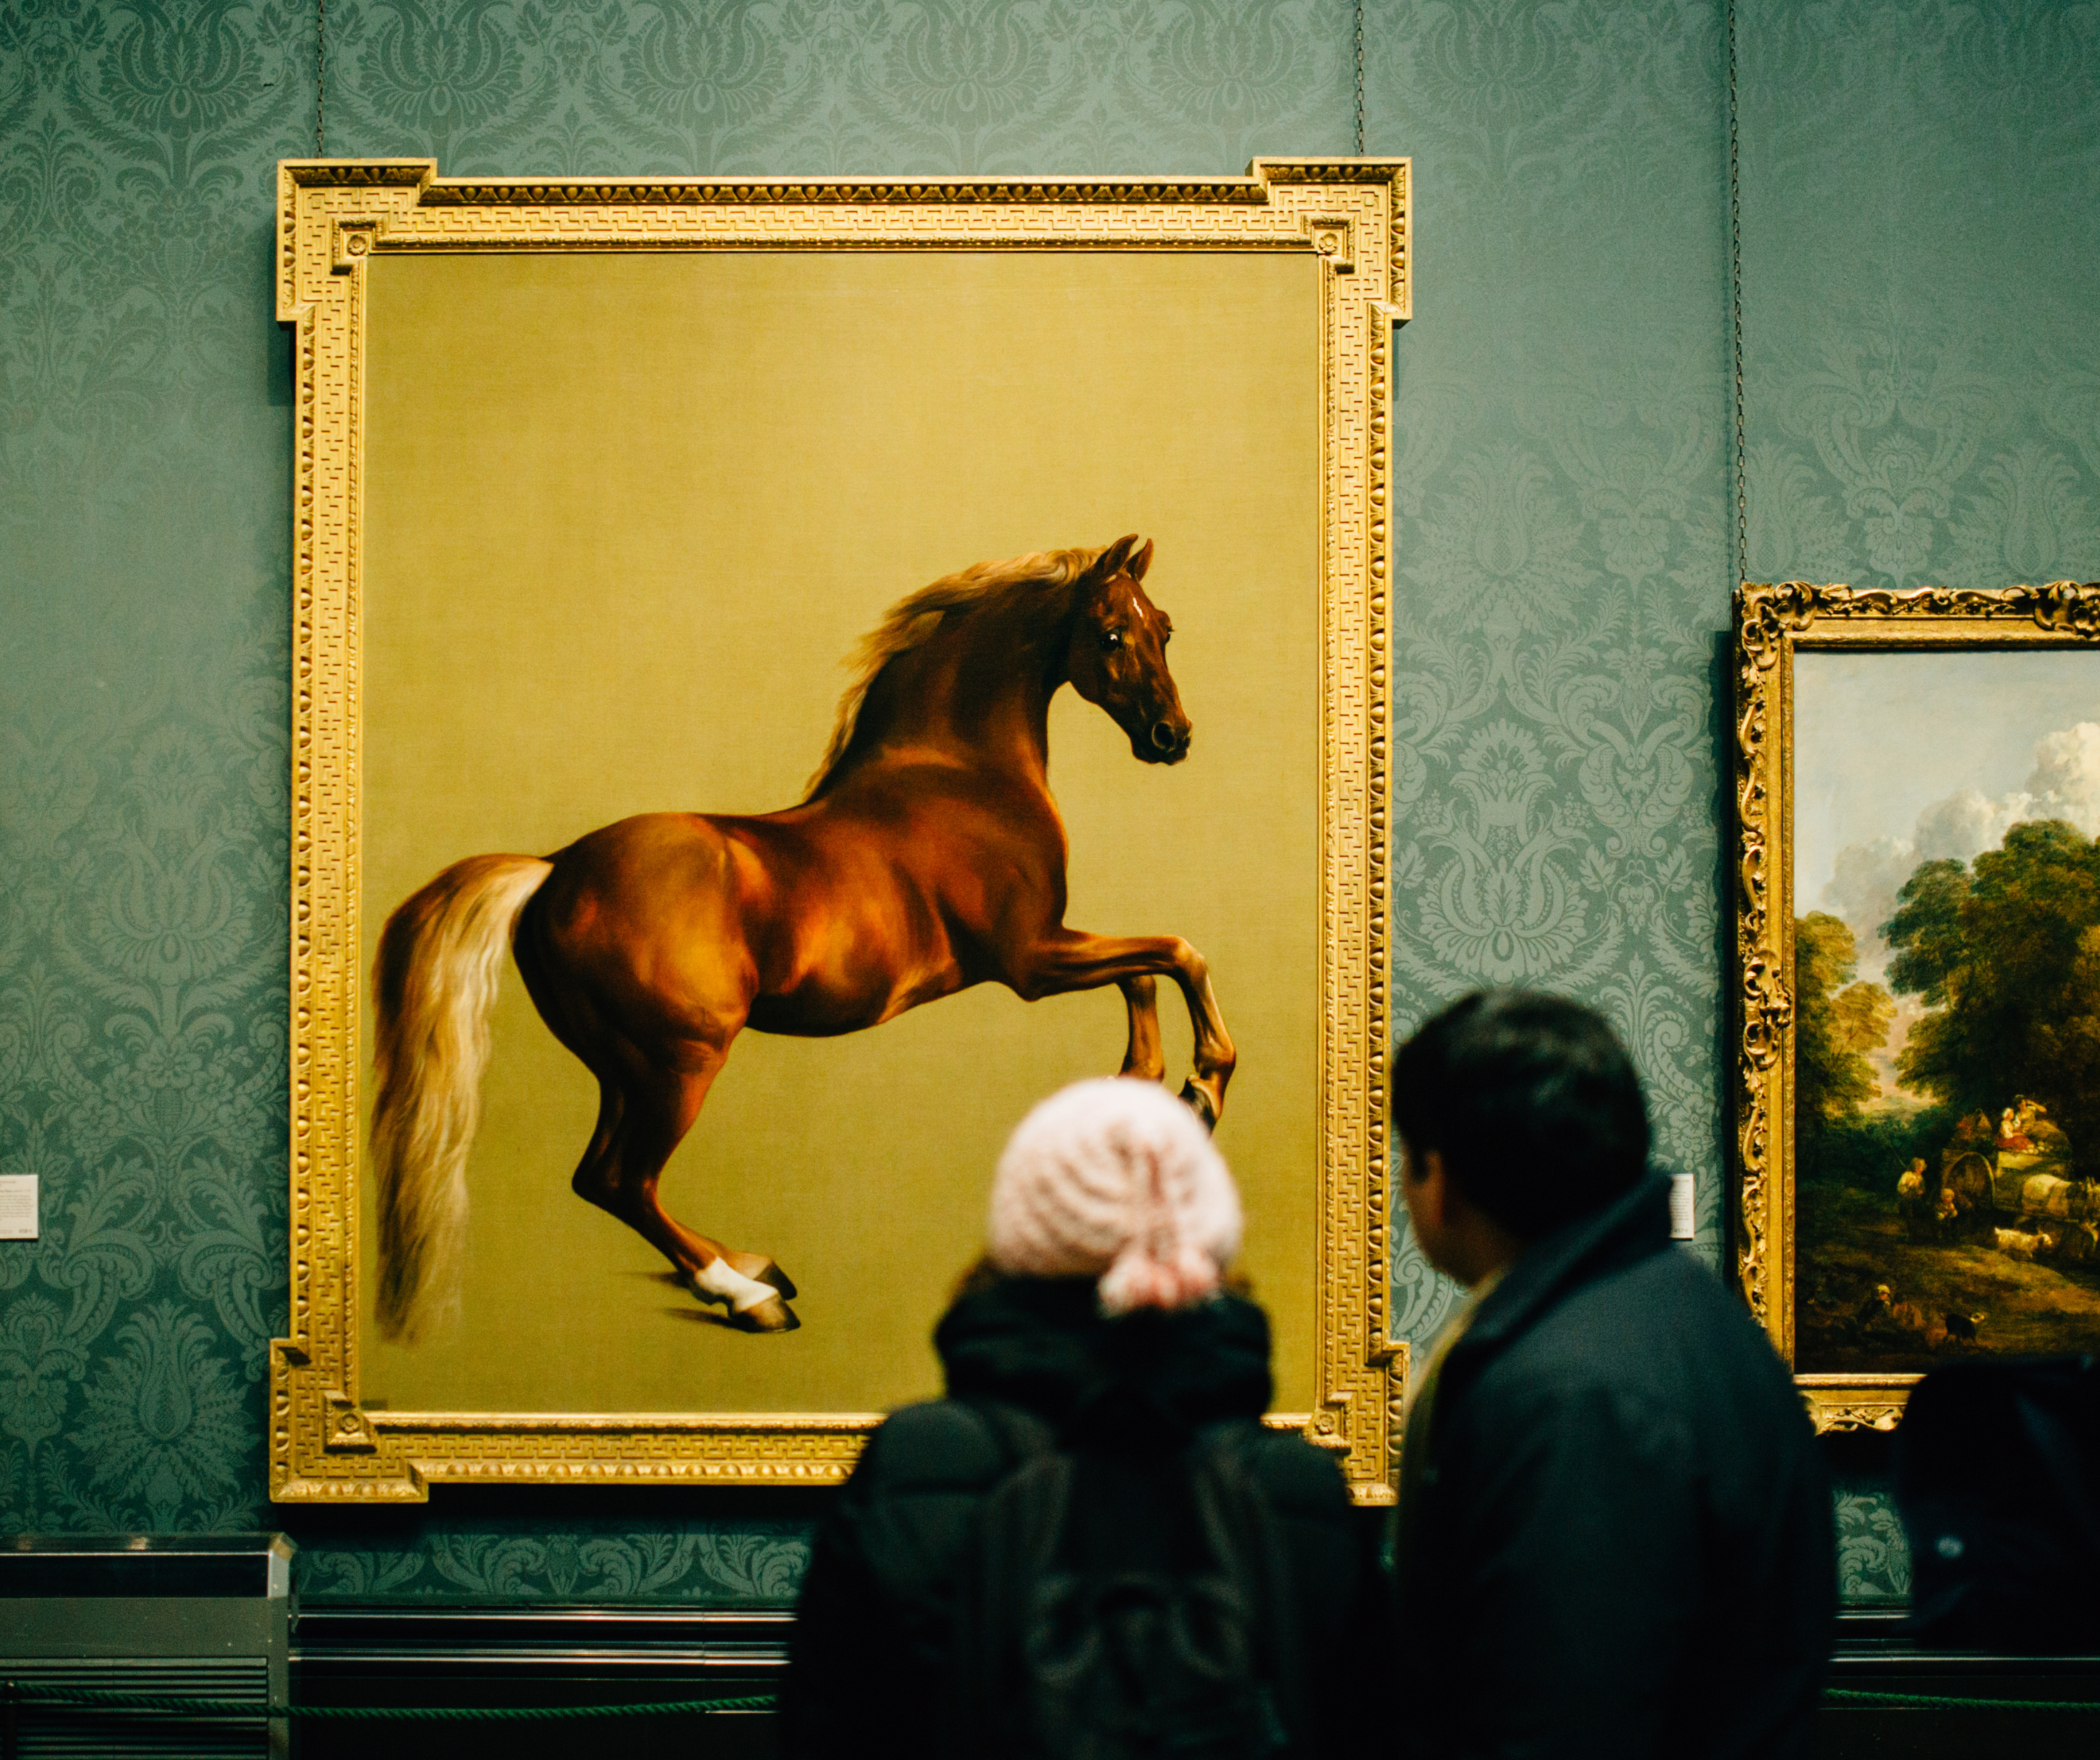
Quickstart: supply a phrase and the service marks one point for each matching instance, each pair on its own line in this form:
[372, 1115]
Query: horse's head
[1116, 658]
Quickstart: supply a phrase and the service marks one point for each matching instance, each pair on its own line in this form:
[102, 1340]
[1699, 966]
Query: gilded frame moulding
[333, 217]
[1772, 624]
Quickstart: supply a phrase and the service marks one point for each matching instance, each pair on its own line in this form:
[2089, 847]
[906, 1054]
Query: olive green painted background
[625, 518]
[1923, 403]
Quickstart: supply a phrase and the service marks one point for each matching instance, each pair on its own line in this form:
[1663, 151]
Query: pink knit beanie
[1116, 1179]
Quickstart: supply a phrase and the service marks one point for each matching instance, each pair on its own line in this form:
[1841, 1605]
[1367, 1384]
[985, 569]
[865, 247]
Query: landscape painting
[1946, 938]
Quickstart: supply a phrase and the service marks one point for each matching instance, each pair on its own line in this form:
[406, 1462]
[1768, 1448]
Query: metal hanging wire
[320, 79]
[1360, 78]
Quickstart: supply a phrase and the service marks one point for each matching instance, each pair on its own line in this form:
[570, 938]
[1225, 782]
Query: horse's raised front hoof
[771, 1315]
[1199, 1102]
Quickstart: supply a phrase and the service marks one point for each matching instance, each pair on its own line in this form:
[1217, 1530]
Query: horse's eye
[1111, 639]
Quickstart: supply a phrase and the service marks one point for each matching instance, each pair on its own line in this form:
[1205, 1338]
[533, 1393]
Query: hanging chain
[1360, 78]
[1735, 312]
[320, 79]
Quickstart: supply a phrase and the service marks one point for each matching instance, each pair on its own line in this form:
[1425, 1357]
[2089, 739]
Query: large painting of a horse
[928, 856]
[713, 638]
[647, 634]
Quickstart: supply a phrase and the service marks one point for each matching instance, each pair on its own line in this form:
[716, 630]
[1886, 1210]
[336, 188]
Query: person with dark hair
[1614, 1535]
[1093, 1545]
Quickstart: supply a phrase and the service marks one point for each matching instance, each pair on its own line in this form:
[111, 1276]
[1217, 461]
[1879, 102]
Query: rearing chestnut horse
[928, 856]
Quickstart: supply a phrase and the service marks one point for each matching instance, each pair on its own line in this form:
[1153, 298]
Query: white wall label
[18, 1207]
[1683, 1223]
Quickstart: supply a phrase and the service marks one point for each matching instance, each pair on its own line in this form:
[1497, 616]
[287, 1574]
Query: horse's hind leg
[642, 1118]
[634, 955]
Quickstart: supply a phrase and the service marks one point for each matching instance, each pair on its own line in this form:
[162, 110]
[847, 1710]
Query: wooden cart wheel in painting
[1968, 1177]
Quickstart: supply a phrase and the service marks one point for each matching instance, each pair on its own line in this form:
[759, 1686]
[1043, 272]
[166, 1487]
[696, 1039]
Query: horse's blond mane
[913, 618]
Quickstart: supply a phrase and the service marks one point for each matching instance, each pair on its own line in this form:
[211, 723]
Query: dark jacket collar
[1552, 1269]
[1043, 1343]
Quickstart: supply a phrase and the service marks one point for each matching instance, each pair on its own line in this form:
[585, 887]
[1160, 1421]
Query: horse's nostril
[1164, 735]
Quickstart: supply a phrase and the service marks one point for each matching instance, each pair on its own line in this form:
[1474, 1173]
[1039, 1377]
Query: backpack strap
[1017, 1519]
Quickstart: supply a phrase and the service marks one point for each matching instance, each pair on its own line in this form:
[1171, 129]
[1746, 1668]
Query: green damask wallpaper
[1923, 396]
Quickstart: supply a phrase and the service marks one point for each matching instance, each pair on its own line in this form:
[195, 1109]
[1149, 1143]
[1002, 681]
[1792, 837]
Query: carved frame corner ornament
[1773, 622]
[334, 217]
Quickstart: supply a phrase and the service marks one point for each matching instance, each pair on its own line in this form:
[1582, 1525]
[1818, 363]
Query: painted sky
[1900, 758]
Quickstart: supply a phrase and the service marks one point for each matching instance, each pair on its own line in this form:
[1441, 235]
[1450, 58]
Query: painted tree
[2005, 954]
[1836, 1022]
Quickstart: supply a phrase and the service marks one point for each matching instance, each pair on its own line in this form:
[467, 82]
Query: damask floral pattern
[1874, 1558]
[164, 1421]
[718, 1563]
[1923, 371]
[842, 85]
[1924, 402]
[142, 1079]
[1560, 547]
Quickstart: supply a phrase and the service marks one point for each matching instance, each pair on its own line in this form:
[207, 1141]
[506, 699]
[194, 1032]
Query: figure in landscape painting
[1946, 989]
[927, 856]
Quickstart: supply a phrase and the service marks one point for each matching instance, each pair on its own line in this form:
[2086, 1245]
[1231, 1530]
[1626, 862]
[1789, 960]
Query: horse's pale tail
[434, 984]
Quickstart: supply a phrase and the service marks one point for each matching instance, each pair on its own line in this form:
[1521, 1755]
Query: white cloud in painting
[2064, 783]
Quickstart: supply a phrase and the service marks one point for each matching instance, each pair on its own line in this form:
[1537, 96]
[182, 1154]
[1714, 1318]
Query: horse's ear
[1109, 563]
[1138, 564]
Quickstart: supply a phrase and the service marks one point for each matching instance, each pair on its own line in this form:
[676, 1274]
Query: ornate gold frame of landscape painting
[333, 218]
[1772, 622]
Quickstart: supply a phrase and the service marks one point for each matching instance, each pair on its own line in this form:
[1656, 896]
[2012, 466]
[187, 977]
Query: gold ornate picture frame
[1897, 755]
[339, 222]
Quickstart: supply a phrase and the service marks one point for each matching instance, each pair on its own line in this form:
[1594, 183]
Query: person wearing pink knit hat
[1098, 1339]
[1116, 1180]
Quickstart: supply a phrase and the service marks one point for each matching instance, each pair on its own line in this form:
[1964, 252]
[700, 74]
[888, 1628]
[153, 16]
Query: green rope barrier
[85, 1700]
[1842, 1696]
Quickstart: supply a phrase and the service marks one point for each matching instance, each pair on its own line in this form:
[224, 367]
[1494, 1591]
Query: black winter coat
[871, 1648]
[1621, 1541]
